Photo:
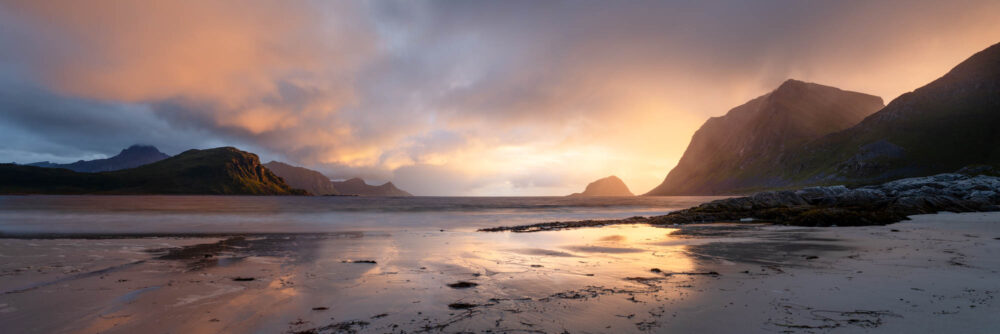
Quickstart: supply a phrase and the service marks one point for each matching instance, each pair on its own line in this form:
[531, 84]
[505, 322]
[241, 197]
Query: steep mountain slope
[356, 186]
[303, 178]
[131, 157]
[943, 126]
[224, 171]
[732, 151]
[608, 186]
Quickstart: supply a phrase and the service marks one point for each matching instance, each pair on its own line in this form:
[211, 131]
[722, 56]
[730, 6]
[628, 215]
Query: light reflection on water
[573, 279]
[514, 273]
[420, 245]
[234, 214]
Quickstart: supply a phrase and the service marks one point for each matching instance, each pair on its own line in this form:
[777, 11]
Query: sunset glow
[445, 98]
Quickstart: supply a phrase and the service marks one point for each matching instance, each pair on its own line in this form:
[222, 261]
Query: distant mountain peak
[303, 178]
[792, 83]
[130, 157]
[140, 149]
[358, 186]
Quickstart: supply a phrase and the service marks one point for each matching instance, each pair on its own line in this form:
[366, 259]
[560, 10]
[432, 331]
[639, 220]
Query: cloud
[512, 97]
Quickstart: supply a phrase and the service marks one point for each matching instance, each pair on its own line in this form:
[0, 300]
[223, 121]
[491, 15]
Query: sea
[102, 214]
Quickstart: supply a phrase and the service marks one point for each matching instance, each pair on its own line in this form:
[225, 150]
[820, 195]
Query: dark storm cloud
[40, 125]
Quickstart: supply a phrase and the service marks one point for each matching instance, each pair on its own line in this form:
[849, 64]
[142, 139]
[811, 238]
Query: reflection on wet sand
[316, 281]
[631, 278]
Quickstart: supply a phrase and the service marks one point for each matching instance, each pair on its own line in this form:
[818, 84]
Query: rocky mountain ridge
[728, 152]
[357, 186]
[131, 157]
[303, 178]
[218, 171]
[949, 123]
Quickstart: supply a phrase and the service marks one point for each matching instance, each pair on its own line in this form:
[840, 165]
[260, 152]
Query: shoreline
[934, 272]
[883, 204]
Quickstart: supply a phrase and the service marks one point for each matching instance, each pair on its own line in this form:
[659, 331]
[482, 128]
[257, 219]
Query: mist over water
[247, 214]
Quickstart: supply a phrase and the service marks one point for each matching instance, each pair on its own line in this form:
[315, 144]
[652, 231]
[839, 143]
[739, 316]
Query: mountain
[303, 178]
[218, 171]
[609, 186]
[731, 152]
[943, 126]
[356, 186]
[758, 133]
[947, 125]
[131, 157]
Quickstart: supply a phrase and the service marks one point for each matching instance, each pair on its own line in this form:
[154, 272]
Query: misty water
[250, 214]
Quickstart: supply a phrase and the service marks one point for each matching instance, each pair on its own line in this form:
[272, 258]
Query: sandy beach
[935, 273]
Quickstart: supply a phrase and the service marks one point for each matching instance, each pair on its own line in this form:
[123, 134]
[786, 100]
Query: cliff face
[131, 157]
[943, 126]
[221, 171]
[730, 152]
[356, 186]
[303, 178]
[608, 186]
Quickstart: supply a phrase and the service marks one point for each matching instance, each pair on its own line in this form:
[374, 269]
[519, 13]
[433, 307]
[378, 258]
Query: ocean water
[246, 214]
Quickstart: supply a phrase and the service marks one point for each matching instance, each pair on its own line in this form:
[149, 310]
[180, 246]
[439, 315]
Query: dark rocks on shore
[462, 285]
[461, 306]
[882, 204]
[838, 205]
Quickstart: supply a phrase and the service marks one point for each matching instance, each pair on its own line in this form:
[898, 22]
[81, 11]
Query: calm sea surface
[229, 214]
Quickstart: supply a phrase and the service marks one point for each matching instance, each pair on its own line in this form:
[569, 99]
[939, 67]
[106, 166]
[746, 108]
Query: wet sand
[936, 273]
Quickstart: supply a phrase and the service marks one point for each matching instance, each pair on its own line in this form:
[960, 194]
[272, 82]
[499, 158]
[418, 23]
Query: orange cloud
[226, 51]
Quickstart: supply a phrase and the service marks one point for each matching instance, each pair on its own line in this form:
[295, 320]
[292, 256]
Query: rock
[608, 186]
[772, 199]
[461, 306]
[819, 195]
[462, 285]
[860, 197]
[973, 170]
[882, 204]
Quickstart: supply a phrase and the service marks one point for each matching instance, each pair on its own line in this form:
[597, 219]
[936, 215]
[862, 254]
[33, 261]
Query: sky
[480, 98]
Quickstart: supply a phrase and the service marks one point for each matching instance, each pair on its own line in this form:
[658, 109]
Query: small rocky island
[881, 204]
[608, 186]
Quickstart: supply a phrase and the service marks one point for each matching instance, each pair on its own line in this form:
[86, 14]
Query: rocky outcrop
[303, 178]
[730, 153]
[882, 204]
[358, 187]
[131, 157]
[838, 205]
[609, 186]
